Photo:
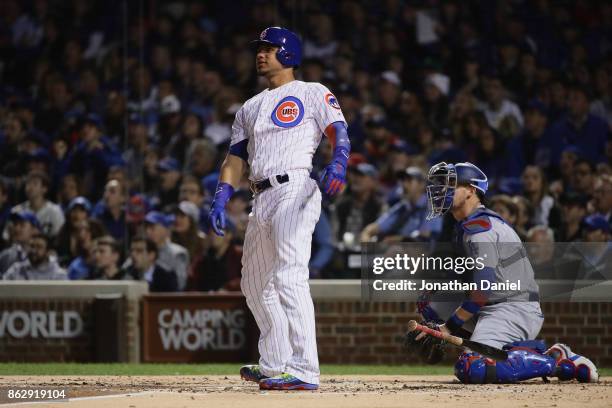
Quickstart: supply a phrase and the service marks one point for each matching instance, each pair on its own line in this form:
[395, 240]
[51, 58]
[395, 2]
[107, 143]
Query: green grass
[210, 369]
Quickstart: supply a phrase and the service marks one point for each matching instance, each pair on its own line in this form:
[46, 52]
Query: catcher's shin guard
[520, 365]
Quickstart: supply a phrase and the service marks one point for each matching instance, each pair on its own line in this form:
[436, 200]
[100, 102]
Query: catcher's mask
[441, 185]
[443, 179]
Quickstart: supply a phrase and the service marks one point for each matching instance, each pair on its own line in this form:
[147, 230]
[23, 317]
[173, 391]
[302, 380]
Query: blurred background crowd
[116, 115]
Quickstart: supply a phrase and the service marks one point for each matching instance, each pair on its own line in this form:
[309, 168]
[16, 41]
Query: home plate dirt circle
[354, 391]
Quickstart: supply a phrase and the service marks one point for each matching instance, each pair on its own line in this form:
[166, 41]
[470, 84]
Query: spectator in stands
[406, 219]
[94, 155]
[580, 128]
[219, 267]
[437, 88]
[358, 206]
[502, 114]
[602, 197]
[78, 210]
[524, 215]
[169, 121]
[535, 144]
[134, 155]
[191, 190]
[111, 211]
[39, 265]
[201, 158]
[106, 259]
[541, 250]
[504, 206]
[49, 215]
[602, 107]
[597, 255]
[171, 256]
[573, 210]
[21, 227]
[583, 178]
[535, 189]
[143, 266]
[169, 181]
[191, 129]
[185, 230]
[82, 247]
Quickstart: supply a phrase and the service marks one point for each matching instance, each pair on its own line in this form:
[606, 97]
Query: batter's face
[266, 61]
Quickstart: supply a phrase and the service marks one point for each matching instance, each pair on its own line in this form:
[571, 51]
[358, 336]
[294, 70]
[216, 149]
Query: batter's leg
[257, 284]
[292, 228]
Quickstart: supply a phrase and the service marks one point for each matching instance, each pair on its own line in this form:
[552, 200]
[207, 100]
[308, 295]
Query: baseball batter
[277, 132]
[509, 319]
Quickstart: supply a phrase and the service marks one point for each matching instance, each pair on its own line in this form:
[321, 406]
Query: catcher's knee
[472, 368]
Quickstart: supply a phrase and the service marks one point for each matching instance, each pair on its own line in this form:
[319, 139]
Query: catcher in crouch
[508, 319]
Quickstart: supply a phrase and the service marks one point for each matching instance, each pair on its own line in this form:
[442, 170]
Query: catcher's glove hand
[430, 349]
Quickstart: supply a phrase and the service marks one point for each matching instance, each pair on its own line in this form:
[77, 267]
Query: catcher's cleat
[251, 373]
[571, 365]
[286, 382]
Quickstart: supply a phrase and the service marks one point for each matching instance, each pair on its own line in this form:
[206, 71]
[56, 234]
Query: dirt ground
[336, 391]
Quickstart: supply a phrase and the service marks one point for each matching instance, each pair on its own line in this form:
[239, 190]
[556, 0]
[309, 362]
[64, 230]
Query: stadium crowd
[115, 120]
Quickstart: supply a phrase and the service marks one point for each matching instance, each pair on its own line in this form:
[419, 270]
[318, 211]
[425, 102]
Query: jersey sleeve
[238, 128]
[325, 106]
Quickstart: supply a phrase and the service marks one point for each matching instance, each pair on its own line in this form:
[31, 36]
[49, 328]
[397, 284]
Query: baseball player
[508, 319]
[276, 133]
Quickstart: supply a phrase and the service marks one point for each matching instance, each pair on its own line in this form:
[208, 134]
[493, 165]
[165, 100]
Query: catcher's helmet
[444, 178]
[290, 47]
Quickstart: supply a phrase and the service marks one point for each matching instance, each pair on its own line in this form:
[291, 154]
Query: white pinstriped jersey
[284, 126]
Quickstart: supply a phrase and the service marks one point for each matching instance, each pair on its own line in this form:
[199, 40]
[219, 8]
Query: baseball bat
[487, 351]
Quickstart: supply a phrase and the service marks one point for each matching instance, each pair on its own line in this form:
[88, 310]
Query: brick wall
[354, 332]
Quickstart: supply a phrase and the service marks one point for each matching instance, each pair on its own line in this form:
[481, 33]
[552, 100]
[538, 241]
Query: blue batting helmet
[290, 47]
[443, 179]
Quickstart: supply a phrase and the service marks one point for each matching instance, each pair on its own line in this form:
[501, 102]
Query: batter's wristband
[222, 195]
[454, 323]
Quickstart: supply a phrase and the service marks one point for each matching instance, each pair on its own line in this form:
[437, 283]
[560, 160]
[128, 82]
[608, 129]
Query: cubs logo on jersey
[331, 100]
[288, 112]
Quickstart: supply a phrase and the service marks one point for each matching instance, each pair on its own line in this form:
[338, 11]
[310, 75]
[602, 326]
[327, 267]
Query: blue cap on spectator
[596, 222]
[28, 216]
[537, 105]
[573, 149]
[94, 119]
[156, 217]
[79, 201]
[168, 164]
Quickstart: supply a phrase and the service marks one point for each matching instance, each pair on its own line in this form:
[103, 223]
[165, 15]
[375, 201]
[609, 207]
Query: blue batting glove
[333, 178]
[216, 218]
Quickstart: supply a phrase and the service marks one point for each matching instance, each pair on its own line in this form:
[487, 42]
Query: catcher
[508, 319]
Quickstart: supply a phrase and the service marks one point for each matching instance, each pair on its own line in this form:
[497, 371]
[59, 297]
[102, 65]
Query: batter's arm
[232, 169]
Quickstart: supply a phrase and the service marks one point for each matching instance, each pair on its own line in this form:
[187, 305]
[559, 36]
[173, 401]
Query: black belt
[259, 186]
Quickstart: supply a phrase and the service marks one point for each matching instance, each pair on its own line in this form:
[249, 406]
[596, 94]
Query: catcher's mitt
[430, 349]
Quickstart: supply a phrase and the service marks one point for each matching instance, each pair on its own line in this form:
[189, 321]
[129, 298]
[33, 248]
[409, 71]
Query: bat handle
[457, 341]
